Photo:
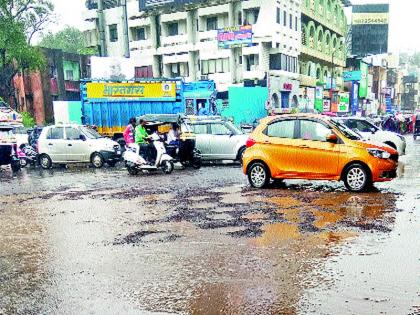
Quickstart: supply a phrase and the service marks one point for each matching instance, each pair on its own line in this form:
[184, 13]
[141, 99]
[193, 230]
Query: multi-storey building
[323, 52]
[180, 38]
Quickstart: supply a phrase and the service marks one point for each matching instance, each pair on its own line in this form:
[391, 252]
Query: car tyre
[258, 175]
[241, 153]
[45, 161]
[357, 178]
[132, 171]
[97, 160]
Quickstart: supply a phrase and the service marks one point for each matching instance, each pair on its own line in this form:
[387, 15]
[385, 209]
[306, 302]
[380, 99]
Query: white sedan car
[373, 133]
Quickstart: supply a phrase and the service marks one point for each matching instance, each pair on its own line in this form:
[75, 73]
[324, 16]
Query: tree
[70, 40]
[19, 21]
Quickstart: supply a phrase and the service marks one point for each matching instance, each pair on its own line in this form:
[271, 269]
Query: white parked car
[218, 139]
[373, 133]
[65, 144]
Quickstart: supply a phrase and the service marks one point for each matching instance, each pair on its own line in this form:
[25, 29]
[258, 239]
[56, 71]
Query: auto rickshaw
[8, 148]
[416, 129]
[184, 150]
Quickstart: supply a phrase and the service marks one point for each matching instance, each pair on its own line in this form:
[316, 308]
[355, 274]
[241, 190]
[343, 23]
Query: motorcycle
[136, 163]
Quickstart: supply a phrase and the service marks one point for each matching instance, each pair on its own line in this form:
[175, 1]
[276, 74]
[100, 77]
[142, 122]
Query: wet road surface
[83, 241]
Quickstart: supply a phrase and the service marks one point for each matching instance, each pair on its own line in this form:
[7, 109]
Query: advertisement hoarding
[370, 18]
[364, 80]
[343, 105]
[319, 93]
[237, 36]
[147, 90]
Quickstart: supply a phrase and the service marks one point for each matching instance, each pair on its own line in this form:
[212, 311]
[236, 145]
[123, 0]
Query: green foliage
[70, 40]
[28, 120]
[19, 21]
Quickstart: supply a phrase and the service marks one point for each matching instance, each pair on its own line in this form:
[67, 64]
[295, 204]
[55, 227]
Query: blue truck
[109, 105]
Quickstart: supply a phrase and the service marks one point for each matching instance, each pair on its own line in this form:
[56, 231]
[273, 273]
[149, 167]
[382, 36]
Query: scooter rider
[142, 136]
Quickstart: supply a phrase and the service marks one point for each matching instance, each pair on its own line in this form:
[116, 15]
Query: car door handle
[303, 147]
[50, 144]
[70, 145]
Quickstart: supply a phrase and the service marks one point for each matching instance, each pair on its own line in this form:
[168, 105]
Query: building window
[251, 62]
[212, 23]
[290, 21]
[296, 23]
[283, 62]
[140, 33]
[173, 29]
[284, 18]
[113, 33]
[69, 75]
[278, 16]
[143, 72]
[213, 66]
[251, 16]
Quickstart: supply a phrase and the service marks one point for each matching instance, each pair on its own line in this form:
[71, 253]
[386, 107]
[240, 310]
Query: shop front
[284, 94]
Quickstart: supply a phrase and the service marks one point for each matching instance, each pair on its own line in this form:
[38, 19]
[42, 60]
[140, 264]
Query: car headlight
[380, 154]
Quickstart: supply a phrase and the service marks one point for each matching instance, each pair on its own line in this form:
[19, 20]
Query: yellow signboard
[370, 18]
[146, 90]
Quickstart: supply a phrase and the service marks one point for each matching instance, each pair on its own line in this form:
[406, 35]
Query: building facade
[323, 53]
[36, 91]
[182, 40]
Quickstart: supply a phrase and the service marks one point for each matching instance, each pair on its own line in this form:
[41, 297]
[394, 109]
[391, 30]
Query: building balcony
[322, 56]
[253, 74]
[174, 40]
[306, 80]
[90, 15]
[324, 21]
[72, 86]
[141, 44]
[206, 36]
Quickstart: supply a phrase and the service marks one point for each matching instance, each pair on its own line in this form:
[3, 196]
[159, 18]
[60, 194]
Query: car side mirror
[372, 130]
[332, 138]
[82, 137]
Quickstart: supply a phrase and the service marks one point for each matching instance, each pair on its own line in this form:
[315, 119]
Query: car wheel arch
[258, 161]
[391, 144]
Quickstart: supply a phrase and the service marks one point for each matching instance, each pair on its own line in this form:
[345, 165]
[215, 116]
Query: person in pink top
[129, 132]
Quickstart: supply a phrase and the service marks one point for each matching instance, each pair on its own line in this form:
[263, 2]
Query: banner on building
[146, 90]
[349, 76]
[326, 105]
[354, 98]
[152, 4]
[370, 18]
[343, 102]
[319, 97]
[364, 80]
[236, 36]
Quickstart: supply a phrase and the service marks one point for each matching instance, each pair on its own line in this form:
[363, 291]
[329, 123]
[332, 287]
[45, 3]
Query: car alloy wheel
[97, 160]
[258, 175]
[45, 161]
[357, 178]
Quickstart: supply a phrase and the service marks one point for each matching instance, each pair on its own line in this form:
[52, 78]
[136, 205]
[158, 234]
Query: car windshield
[235, 129]
[347, 132]
[90, 133]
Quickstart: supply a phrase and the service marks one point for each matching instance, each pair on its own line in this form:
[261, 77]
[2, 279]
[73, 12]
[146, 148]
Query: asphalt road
[83, 241]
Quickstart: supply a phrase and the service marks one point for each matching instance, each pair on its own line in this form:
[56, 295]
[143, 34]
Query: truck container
[109, 105]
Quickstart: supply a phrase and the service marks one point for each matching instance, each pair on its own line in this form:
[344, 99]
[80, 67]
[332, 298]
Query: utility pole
[101, 28]
[126, 40]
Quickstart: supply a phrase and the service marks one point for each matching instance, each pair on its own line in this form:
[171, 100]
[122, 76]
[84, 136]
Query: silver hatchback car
[218, 139]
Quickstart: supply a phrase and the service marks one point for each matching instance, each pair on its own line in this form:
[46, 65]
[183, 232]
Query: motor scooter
[136, 163]
[27, 155]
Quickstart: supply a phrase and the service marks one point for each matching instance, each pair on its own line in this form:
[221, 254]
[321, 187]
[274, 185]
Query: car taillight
[250, 142]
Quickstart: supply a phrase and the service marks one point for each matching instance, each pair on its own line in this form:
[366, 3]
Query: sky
[404, 20]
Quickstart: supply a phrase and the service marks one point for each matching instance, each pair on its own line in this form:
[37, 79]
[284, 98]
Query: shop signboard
[319, 93]
[311, 98]
[153, 4]
[326, 105]
[363, 88]
[237, 36]
[343, 105]
[354, 98]
[132, 90]
[388, 104]
[349, 76]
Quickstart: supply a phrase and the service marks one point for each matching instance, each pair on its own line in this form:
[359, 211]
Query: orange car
[303, 146]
